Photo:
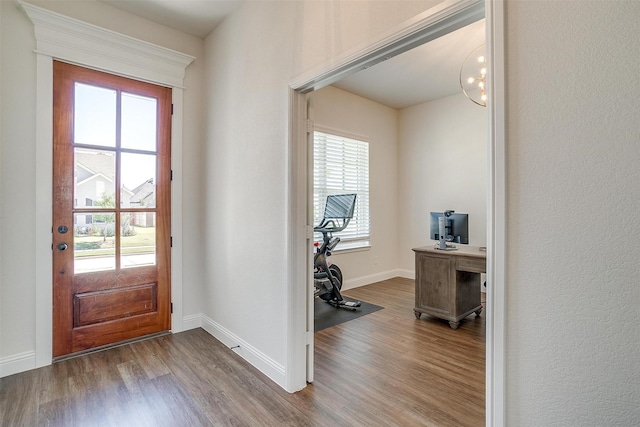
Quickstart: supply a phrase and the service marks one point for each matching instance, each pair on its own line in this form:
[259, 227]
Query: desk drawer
[474, 265]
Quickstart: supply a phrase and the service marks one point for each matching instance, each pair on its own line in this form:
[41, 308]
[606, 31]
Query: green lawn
[143, 242]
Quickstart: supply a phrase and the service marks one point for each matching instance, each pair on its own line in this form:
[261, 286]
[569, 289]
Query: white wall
[2, 297]
[573, 204]
[443, 165]
[17, 153]
[339, 110]
[251, 57]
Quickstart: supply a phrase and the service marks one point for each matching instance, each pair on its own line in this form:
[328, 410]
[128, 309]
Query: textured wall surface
[573, 195]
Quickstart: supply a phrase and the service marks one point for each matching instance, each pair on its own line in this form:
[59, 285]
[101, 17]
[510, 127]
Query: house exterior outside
[94, 180]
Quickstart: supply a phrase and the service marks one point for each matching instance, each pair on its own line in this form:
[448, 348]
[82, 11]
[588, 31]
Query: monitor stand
[442, 233]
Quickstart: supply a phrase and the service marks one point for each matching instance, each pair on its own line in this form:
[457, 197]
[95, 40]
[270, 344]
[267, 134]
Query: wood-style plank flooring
[383, 369]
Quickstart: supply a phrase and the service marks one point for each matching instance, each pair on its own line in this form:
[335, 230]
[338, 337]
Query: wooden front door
[111, 209]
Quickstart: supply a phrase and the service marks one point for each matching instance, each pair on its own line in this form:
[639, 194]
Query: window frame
[354, 239]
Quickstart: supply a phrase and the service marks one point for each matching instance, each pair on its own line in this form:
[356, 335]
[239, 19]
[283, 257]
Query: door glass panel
[94, 115]
[138, 239]
[94, 178]
[138, 174]
[94, 241]
[138, 122]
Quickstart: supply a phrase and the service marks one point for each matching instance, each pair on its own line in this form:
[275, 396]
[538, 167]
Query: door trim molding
[75, 41]
[67, 39]
[497, 216]
[447, 16]
[298, 250]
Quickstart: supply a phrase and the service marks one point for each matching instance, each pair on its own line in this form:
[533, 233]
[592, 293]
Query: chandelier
[473, 76]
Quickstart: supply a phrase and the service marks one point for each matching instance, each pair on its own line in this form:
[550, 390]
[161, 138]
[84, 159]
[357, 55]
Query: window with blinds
[341, 166]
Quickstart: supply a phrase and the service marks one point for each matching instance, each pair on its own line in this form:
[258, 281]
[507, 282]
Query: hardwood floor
[383, 369]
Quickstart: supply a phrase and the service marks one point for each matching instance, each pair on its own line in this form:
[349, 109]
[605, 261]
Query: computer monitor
[457, 227]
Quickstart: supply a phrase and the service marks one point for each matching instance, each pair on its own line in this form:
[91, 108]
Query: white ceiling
[195, 17]
[425, 73]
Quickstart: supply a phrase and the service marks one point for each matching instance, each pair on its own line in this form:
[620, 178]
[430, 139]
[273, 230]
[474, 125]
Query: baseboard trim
[266, 365]
[373, 278]
[192, 322]
[407, 274]
[276, 372]
[17, 363]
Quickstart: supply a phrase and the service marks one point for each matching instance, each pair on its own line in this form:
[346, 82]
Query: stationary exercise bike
[327, 277]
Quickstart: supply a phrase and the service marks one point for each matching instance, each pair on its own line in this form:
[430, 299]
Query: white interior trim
[265, 364]
[192, 321]
[261, 361]
[44, 210]
[71, 40]
[298, 250]
[497, 215]
[448, 16]
[17, 363]
[177, 99]
[356, 282]
[76, 41]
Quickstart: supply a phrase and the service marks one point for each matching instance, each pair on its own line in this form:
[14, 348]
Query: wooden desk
[448, 282]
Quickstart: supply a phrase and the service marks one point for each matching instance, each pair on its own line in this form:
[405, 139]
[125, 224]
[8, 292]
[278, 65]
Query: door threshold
[109, 346]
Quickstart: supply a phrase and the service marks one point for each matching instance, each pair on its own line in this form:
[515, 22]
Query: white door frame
[433, 23]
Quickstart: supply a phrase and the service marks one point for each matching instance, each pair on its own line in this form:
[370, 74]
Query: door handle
[62, 246]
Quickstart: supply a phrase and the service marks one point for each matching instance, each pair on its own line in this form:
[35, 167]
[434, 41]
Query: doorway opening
[428, 26]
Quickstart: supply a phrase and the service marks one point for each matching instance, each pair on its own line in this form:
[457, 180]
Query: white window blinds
[341, 166]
